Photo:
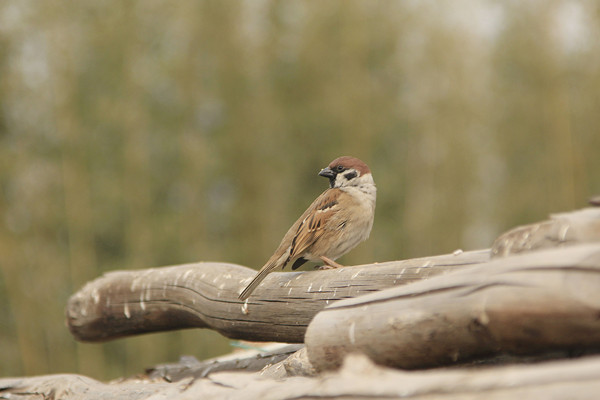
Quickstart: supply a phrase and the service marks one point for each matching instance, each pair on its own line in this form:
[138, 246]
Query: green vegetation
[138, 134]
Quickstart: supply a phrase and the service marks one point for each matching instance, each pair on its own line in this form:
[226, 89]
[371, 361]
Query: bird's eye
[339, 168]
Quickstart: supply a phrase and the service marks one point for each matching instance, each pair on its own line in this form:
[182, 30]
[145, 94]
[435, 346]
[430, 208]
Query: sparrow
[338, 220]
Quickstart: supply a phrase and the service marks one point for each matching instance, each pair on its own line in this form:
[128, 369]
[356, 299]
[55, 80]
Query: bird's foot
[329, 264]
[323, 267]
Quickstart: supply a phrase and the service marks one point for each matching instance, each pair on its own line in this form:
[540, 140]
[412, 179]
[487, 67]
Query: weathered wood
[359, 378]
[248, 361]
[536, 302]
[298, 364]
[581, 226]
[204, 295]
[78, 387]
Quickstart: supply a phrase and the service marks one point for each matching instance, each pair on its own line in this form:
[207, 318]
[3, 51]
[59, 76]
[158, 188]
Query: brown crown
[350, 162]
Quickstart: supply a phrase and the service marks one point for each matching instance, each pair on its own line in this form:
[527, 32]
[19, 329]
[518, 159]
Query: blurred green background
[138, 134]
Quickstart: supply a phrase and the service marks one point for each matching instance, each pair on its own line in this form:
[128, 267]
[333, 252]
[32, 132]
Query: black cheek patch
[350, 175]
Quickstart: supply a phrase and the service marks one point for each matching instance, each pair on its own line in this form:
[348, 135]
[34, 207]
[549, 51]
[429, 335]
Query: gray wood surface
[533, 303]
[246, 360]
[204, 295]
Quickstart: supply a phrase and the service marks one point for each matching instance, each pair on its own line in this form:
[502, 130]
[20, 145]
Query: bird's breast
[351, 225]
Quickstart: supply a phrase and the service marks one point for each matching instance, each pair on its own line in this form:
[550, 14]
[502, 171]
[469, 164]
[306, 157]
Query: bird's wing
[313, 221]
[308, 228]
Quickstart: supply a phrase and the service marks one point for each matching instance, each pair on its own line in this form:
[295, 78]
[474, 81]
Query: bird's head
[347, 171]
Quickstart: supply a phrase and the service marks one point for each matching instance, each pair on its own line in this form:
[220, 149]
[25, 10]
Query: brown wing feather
[312, 226]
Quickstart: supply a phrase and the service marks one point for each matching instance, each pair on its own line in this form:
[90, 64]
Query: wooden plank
[528, 304]
[204, 295]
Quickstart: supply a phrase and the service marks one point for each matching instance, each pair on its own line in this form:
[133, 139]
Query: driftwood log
[537, 297]
[204, 295]
[527, 304]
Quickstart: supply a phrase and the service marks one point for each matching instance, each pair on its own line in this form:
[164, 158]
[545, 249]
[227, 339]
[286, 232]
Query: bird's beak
[330, 174]
[327, 173]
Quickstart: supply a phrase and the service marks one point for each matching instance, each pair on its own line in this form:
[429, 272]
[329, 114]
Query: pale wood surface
[528, 304]
[204, 295]
[359, 378]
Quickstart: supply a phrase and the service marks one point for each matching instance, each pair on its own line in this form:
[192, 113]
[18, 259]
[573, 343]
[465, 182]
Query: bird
[336, 221]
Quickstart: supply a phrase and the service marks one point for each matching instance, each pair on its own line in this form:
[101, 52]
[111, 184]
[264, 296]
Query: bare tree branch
[204, 295]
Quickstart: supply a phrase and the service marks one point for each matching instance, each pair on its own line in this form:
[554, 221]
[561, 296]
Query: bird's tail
[262, 274]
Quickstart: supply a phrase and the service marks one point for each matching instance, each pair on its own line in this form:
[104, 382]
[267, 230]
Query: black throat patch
[332, 181]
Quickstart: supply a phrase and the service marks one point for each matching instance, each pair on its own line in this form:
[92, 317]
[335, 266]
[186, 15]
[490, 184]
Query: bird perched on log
[338, 220]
